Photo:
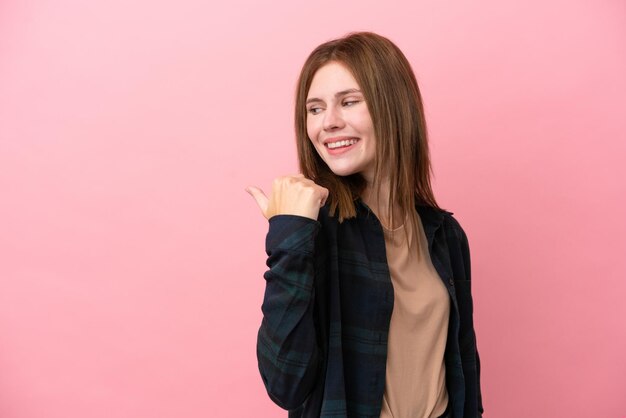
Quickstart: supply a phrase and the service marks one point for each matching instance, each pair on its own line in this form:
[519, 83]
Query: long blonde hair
[394, 101]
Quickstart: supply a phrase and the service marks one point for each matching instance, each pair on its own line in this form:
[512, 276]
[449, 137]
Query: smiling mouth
[341, 144]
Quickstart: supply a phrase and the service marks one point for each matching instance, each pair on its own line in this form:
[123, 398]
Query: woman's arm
[468, 273]
[287, 348]
[460, 260]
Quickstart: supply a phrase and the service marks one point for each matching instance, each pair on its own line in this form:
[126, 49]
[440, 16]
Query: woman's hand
[291, 195]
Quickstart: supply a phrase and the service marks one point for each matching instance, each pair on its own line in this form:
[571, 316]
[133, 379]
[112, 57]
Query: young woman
[367, 309]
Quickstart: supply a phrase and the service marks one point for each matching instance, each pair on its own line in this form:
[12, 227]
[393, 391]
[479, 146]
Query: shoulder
[325, 218]
[439, 217]
[456, 237]
[450, 222]
[451, 226]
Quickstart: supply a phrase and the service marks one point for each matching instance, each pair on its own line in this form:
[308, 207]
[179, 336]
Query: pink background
[131, 258]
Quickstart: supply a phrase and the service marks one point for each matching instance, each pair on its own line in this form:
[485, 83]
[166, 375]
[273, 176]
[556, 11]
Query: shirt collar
[431, 217]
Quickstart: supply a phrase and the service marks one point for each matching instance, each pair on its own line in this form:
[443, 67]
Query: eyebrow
[338, 94]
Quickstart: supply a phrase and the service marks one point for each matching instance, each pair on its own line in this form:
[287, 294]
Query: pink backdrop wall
[131, 258]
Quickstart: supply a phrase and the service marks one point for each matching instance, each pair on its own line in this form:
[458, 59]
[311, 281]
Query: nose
[332, 119]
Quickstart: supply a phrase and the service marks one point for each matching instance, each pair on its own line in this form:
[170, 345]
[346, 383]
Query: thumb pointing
[260, 198]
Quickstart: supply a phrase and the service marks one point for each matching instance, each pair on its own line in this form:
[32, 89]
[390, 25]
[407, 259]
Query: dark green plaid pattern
[322, 343]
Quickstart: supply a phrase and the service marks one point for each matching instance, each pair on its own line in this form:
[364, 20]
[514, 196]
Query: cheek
[366, 122]
[311, 130]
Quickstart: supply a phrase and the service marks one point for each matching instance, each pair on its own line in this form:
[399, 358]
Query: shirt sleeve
[287, 349]
[467, 265]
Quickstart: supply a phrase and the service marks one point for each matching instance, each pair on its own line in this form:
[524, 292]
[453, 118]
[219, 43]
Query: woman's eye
[350, 102]
[315, 110]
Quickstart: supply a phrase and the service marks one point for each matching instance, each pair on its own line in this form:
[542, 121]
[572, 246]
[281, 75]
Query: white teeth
[343, 143]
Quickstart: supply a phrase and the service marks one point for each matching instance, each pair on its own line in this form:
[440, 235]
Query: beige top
[415, 384]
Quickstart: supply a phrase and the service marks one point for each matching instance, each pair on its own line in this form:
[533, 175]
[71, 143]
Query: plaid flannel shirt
[322, 343]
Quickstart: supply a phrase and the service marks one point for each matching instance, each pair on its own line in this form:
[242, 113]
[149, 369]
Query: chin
[343, 172]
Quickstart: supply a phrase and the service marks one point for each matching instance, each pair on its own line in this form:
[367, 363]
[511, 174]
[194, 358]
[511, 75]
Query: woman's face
[339, 123]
